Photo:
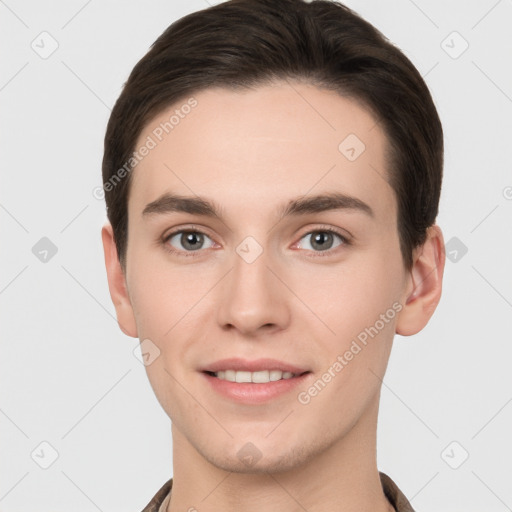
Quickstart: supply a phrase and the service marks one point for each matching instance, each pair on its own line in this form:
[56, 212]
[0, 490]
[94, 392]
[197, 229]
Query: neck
[342, 478]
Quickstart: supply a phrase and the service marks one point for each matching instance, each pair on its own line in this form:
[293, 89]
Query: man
[272, 173]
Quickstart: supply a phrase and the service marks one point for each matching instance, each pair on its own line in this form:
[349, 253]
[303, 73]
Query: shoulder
[394, 494]
[157, 500]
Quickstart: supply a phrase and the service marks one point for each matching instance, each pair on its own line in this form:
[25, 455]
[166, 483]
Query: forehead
[254, 148]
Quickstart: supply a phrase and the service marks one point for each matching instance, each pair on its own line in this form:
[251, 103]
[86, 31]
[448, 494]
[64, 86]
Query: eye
[187, 241]
[322, 240]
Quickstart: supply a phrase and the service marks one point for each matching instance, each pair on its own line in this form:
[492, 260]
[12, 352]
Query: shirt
[161, 499]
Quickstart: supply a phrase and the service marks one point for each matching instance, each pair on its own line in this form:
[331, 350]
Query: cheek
[163, 307]
[147, 272]
[167, 302]
[158, 294]
[360, 306]
[353, 296]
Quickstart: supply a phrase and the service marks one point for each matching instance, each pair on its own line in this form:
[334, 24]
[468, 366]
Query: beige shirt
[161, 500]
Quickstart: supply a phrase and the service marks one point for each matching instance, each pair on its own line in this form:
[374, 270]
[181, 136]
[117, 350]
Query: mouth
[254, 382]
[259, 377]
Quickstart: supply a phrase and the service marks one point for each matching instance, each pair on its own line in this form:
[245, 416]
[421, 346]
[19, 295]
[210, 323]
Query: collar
[396, 497]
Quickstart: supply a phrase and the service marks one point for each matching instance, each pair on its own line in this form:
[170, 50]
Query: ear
[117, 284]
[424, 284]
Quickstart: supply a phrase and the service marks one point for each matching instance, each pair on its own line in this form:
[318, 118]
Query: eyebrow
[303, 205]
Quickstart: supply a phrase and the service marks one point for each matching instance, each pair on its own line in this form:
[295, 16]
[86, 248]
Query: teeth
[275, 375]
[260, 377]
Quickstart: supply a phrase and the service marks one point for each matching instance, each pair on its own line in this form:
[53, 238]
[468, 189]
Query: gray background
[70, 378]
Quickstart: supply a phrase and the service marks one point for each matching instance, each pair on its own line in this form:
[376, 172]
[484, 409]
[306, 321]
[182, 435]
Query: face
[290, 263]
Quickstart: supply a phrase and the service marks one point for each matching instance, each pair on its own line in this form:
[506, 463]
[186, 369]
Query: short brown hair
[246, 43]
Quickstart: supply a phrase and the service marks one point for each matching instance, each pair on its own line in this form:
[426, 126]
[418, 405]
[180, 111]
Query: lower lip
[254, 393]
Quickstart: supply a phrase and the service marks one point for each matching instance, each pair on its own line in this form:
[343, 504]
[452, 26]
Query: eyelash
[192, 254]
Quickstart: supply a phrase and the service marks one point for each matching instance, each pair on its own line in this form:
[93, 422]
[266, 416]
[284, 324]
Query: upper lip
[252, 366]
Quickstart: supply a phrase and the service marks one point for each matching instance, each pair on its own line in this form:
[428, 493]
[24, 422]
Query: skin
[252, 152]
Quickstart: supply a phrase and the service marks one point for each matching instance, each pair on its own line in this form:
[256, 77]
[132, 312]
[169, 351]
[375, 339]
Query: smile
[259, 377]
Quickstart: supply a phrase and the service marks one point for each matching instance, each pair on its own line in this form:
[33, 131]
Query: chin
[260, 463]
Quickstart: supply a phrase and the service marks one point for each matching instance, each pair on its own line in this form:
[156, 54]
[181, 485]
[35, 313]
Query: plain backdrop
[75, 398]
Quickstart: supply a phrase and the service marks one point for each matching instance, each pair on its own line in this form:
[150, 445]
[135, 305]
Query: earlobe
[117, 284]
[425, 284]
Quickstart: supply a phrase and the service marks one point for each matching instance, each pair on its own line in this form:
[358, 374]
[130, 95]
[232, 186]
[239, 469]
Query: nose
[253, 299]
